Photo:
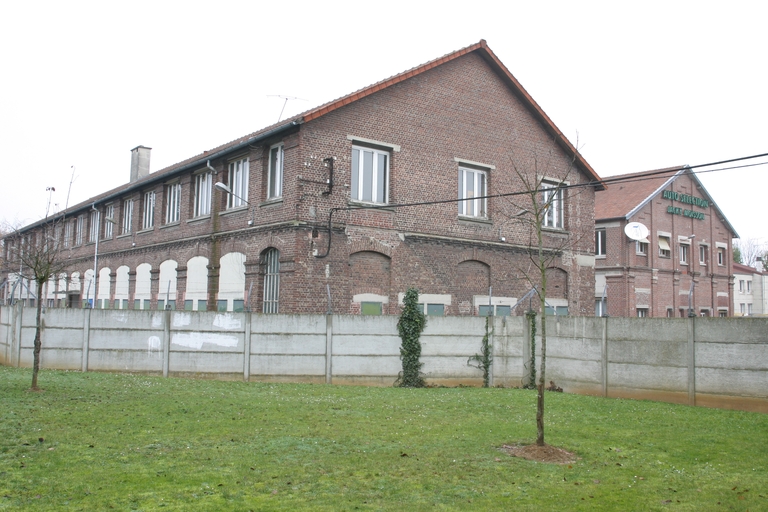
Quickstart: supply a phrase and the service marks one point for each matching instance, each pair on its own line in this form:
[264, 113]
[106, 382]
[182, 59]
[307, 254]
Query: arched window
[270, 260]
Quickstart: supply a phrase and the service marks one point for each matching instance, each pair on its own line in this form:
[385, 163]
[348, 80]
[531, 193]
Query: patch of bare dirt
[547, 454]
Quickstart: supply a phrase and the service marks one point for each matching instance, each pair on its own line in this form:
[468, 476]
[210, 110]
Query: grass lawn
[129, 442]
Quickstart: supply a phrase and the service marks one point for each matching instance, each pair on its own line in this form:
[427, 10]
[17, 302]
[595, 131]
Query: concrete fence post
[19, 329]
[527, 351]
[166, 341]
[691, 360]
[14, 340]
[247, 347]
[86, 338]
[328, 349]
[604, 356]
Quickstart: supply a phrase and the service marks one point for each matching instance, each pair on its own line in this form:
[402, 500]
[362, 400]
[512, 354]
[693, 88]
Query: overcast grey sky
[641, 85]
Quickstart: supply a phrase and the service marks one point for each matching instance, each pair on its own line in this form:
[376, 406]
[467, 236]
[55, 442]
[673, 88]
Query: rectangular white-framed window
[749, 286]
[721, 248]
[148, 215]
[93, 222]
[109, 215]
[67, 233]
[172, 202]
[473, 187]
[642, 312]
[665, 251]
[370, 175]
[741, 285]
[203, 189]
[552, 202]
[722, 313]
[600, 248]
[275, 176]
[641, 248]
[79, 227]
[684, 253]
[749, 309]
[127, 216]
[703, 255]
[743, 309]
[238, 183]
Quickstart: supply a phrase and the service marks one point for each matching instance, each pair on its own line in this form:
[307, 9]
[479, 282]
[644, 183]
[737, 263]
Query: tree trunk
[543, 369]
[38, 339]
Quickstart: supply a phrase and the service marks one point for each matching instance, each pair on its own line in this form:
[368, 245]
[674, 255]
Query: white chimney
[139, 162]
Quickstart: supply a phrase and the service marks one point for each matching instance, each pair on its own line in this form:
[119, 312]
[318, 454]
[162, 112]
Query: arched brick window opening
[270, 268]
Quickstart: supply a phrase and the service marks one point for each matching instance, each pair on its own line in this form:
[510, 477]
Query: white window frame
[79, 226]
[358, 192]
[109, 214]
[641, 248]
[127, 216]
[553, 215]
[741, 285]
[203, 190]
[665, 240]
[703, 255]
[684, 248]
[721, 249]
[148, 216]
[473, 202]
[275, 171]
[67, 234]
[239, 171]
[172, 202]
[642, 312]
[749, 286]
[93, 220]
[600, 246]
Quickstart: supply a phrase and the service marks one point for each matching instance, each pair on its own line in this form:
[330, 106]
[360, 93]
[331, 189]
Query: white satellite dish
[636, 231]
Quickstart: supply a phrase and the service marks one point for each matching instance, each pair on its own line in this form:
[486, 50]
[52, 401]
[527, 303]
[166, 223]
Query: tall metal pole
[96, 260]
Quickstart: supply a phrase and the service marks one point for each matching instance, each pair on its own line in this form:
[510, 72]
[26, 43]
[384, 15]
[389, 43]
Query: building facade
[410, 182]
[683, 266]
[749, 286]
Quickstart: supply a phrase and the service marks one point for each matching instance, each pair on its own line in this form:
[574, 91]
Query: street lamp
[96, 254]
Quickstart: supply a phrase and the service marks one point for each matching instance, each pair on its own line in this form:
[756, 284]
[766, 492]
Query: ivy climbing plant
[484, 360]
[411, 324]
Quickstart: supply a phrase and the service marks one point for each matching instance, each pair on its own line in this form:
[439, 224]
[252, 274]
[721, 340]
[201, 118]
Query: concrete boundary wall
[718, 362]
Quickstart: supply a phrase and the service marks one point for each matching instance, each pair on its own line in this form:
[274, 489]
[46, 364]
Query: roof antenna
[286, 98]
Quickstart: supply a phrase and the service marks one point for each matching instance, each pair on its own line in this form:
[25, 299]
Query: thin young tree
[543, 180]
[38, 256]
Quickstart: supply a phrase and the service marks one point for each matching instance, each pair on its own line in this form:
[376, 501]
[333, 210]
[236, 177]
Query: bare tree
[540, 208]
[36, 252]
[750, 249]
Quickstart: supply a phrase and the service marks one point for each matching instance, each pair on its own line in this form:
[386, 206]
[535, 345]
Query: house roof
[626, 194]
[738, 268]
[481, 48]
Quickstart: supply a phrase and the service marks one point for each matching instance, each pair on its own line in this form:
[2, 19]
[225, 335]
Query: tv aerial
[286, 98]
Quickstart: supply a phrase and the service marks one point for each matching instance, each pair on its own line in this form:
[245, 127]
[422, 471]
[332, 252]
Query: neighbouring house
[749, 296]
[345, 206]
[678, 264]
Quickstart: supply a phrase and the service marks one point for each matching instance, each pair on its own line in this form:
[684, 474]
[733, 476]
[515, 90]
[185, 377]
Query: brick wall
[458, 110]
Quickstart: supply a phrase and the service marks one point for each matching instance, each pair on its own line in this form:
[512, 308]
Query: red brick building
[688, 242]
[451, 132]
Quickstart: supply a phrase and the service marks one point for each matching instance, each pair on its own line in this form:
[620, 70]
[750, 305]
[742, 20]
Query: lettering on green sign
[693, 214]
[685, 198]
